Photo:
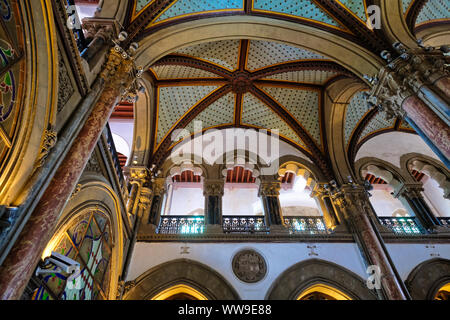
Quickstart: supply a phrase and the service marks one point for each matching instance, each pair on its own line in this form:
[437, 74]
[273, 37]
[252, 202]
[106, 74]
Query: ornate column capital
[213, 187]
[144, 198]
[409, 190]
[404, 76]
[101, 27]
[158, 186]
[269, 188]
[138, 175]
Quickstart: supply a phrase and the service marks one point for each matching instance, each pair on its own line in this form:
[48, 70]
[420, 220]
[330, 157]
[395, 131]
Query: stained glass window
[11, 75]
[87, 241]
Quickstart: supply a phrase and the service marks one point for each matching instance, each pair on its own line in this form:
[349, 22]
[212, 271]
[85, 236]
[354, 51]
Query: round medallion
[249, 266]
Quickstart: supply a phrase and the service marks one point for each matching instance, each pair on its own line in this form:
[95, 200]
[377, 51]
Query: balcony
[182, 225]
[305, 225]
[403, 226]
[244, 224]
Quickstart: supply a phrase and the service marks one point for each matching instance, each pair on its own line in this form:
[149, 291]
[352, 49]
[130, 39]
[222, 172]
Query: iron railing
[244, 224]
[402, 225]
[182, 225]
[305, 225]
[113, 151]
[445, 221]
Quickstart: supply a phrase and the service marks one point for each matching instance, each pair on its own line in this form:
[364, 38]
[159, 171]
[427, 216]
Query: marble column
[269, 191]
[18, 267]
[411, 197]
[159, 189]
[410, 87]
[320, 194]
[213, 192]
[354, 203]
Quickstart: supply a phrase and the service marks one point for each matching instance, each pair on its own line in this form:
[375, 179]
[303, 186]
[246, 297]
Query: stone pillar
[269, 190]
[406, 88]
[18, 267]
[325, 205]
[158, 188]
[98, 32]
[354, 203]
[213, 192]
[411, 197]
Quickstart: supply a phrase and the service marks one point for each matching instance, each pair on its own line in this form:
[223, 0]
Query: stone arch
[427, 278]
[38, 103]
[309, 166]
[292, 282]
[95, 187]
[398, 173]
[183, 271]
[407, 159]
[356, 59]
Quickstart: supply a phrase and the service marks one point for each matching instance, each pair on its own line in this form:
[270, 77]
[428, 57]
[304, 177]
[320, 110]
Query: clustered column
[158, 188]
[325, 205]
[415, 87]
[269, 190]
[213, 191]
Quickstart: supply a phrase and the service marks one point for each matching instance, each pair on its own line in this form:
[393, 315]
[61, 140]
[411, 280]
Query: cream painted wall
[218, 256]
[241, 200]
[123, 128]
[435, 198]
[407, 256]
[392, 145]
[187, 201]
[384, 203]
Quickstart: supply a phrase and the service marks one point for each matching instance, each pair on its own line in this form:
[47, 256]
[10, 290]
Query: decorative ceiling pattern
[174, 102]
[356, 110]
[434, 10]
[406, 4]
[218, 113]
[377, 124]
[180, 72]
[302, 104]
[141, 4]
[224, 53]
[306, 9]
[185, 7]
[317, 77]
[264, 53]
[256, 113]
[357, 7]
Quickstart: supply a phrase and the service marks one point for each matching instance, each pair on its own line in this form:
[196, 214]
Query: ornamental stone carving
[213, 188]
[249, 266]
[270, 189]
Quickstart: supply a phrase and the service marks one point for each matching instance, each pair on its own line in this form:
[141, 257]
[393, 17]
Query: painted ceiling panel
[310, 76]
[378, 123]
[224, 53]
[265, 53]
[356, 110]
[256, 113]
[434, 10]
[174, 102]
[186, 7]
[357, 7]
[180, 72]
[302, 104]
[141, 4]
[406, 4]
[220, 112]
[300, 8]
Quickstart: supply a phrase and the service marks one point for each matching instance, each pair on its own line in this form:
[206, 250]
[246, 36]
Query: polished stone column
[354, 203]
[320, 194]
[269, 191]
[159, 189]
[18, 267]
[414, 87]
[411, 197]
[213, 192]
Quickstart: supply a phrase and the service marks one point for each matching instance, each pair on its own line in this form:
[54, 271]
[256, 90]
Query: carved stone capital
[269, 188]
[98, 27]
[144, 198]
[213, 187]
[158, 186]
[138, 175]
[410, 190]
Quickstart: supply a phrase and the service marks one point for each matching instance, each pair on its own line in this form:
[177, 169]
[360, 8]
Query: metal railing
[402, 225]
[244, 224]
[181, 225]
[445, 221]
[113, 151]
[305, 225]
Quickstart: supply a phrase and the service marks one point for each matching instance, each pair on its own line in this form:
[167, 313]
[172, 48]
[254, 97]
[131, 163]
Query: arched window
[180, 292]
[87, 240]
[322, 292]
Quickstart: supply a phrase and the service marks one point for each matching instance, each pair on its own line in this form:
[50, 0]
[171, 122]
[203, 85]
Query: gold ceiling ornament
[120, 71]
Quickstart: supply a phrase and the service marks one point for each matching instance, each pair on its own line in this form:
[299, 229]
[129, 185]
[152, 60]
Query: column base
[213, 229]
[279, 230]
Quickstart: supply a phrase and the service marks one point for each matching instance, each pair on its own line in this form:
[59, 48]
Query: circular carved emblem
[249, 266]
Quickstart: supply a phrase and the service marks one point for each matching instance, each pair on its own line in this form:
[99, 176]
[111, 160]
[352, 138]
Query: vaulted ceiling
[265, 84]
